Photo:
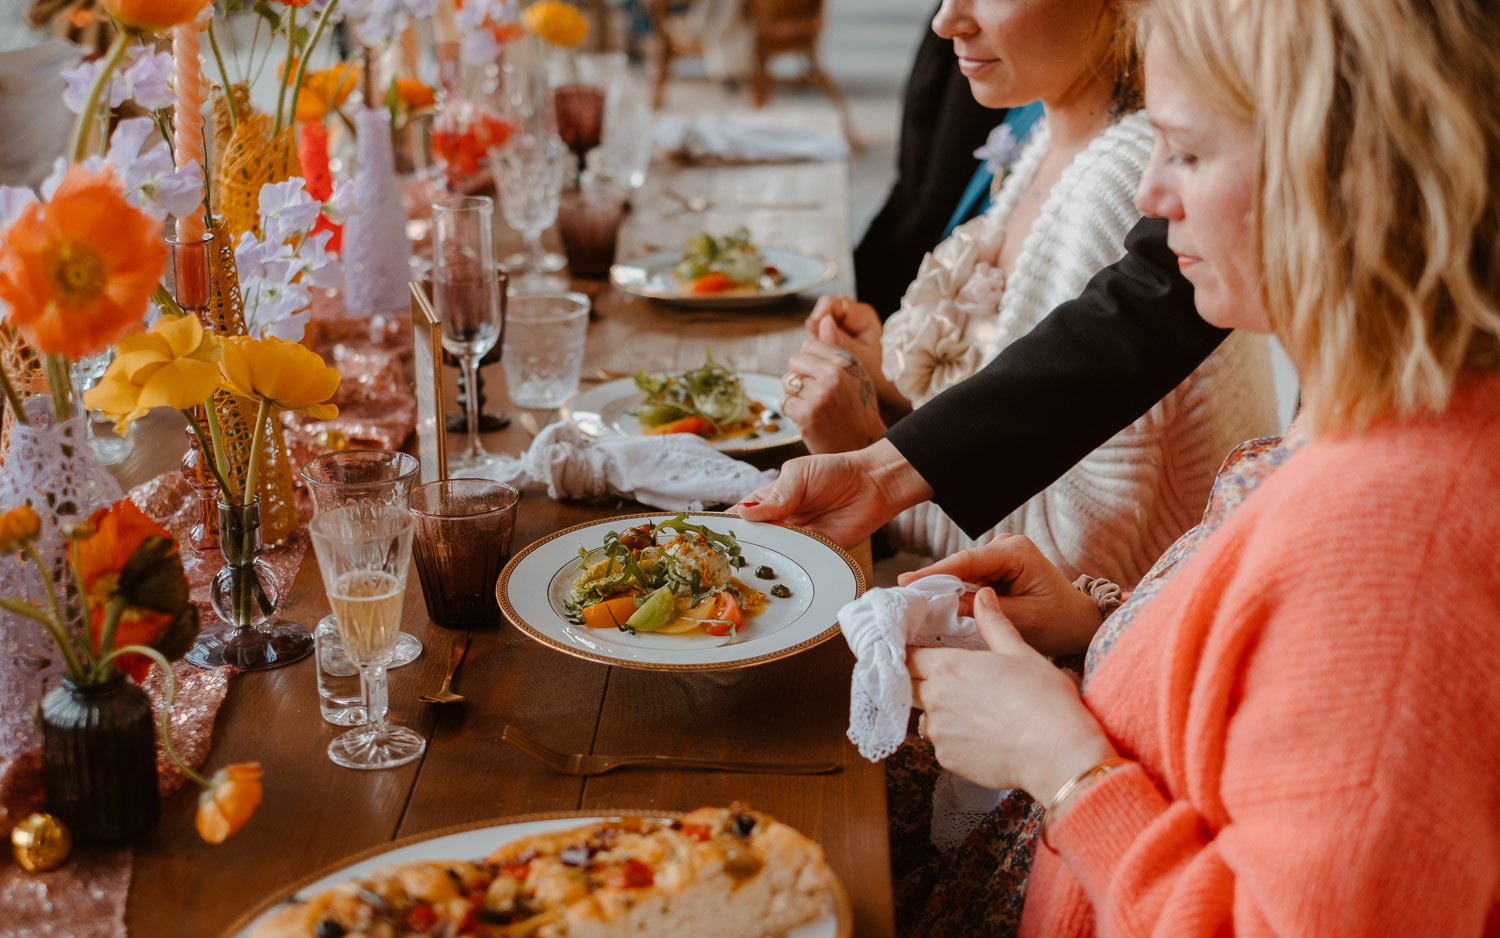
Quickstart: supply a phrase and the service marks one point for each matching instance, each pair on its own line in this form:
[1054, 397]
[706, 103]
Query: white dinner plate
[608, 410]
[478, 840]
[821, 576]
[651, 277]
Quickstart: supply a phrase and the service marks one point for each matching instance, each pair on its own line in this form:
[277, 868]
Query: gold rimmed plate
[608, 409]
[820, 575]
[480, 838]
[651, 277]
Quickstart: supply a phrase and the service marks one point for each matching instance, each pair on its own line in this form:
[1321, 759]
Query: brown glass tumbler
[463, 531]
[589, 222]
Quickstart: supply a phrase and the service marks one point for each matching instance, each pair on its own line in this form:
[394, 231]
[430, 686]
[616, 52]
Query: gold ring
[794, 384]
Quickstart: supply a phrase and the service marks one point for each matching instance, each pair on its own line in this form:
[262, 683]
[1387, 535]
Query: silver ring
[794, 384]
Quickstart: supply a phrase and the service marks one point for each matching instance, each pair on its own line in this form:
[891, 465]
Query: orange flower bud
[225, 806]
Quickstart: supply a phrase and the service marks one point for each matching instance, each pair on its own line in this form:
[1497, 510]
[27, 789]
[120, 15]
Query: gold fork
[580, 764]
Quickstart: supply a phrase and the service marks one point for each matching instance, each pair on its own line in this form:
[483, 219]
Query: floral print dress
[979, 887]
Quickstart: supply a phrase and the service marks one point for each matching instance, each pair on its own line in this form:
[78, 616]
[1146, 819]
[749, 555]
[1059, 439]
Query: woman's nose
[951, 19]
[1155, 195]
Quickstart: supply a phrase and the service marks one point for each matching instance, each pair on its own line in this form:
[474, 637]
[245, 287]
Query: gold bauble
[334, 441]
[41, 842]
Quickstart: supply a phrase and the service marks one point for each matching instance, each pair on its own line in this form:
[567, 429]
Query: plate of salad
[721, 272]
[687, 592]
[737, 413]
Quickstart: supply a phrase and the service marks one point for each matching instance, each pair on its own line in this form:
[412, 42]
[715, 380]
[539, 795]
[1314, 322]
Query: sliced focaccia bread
[727, 872]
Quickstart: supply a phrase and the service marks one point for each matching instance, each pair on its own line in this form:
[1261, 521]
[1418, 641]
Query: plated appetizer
[729, 872]
[670, 577]
[710, 266]
[709, 400]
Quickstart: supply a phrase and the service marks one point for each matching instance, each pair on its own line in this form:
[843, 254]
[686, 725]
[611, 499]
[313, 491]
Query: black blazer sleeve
[941, 127]
[1091, 368]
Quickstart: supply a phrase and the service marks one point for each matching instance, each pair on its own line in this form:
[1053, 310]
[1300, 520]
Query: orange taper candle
[187, 132]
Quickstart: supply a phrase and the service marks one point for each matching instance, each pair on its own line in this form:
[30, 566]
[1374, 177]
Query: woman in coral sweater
[1296, 734]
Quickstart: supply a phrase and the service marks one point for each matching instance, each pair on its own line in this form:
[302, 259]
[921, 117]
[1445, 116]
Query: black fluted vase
[99, 747]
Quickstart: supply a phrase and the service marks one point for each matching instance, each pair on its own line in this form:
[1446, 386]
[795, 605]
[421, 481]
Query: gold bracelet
[1074, 785]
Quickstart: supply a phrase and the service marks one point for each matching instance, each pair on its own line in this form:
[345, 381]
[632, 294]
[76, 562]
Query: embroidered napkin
[675, 472]
[745, 140]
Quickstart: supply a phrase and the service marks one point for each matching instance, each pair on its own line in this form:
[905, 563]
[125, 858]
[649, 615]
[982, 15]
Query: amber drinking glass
[463, 535]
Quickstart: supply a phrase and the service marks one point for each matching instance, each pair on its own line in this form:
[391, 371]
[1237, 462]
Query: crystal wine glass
[364, 552]
[109, 448]
[466, 296]
[580, 117]
[529, 172]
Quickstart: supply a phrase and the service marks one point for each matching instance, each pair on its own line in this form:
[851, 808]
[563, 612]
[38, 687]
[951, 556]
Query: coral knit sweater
[1312, 705]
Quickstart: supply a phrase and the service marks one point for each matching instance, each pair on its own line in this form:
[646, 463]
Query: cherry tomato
[712, 283]
[421, 918]
[632, 874]
[727, 613]
[698, 832]
[684, 425]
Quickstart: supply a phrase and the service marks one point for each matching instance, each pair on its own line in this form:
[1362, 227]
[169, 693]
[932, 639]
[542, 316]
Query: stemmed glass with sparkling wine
[364, 551]
[466, 296]
[529, 172]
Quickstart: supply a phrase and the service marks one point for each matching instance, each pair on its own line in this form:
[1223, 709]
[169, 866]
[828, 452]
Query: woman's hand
[845, 496]
[856, 328]
[1004, 718]
[1035, 596]
[831, 397]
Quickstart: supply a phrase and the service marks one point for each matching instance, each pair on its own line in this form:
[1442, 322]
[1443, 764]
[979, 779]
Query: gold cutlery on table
[580, 764]
[444, 695]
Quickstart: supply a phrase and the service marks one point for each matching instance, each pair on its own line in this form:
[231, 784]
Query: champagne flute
[466, 296]
[529, 172]
[364, 552]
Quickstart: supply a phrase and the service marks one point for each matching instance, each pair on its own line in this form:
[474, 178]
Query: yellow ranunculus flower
[173, 365]
[18, 526]
[557, 22]
[289, 375]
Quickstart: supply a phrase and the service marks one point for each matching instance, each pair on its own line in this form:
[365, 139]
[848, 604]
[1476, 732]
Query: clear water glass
[466, 297]
[364, 552]
[544, 345]
[529, 171]
[108, 447]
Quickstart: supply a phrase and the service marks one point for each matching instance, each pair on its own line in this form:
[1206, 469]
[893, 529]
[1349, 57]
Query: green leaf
[268, 13]
[153, 577]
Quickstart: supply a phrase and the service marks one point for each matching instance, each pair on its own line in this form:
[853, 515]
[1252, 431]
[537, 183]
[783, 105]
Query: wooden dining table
[315, 814]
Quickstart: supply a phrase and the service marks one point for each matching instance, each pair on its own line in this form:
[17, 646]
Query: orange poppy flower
[119, 531]
[154, 15]
[77, 272]
[415, 94]
[225, 806]
[324, 90]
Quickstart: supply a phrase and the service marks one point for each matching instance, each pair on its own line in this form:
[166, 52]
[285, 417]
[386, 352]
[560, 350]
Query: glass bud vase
[244, 594]
[99, 752]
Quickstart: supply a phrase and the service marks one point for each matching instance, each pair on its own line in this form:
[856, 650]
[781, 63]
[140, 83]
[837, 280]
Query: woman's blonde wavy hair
[1377, 218]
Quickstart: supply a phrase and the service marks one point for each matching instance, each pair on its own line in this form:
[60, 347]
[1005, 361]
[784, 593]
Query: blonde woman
[1060, 216]
[1315, 751]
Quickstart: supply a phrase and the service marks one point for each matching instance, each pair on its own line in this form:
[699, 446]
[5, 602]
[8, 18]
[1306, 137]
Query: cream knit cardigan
[1118, 509]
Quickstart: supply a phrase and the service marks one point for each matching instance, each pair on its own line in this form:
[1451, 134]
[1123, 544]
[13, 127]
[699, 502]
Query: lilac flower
[322, 269]
[148, 76]
[1000, 150]
[150, 181]
[13, 201]
[478, 47]
[80, 80]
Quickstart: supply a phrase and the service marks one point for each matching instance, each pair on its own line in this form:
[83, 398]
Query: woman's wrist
[1067, 762]
[898, 483]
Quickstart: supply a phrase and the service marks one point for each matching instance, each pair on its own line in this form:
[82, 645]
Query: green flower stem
[13, 399]
[112, 615]
[61, 384]
[286, 73]
[216, 434]
[22, 608]
[165, 302]
[213, 43]
[53, 605]
[257, 439]
[208, 441]
[312, 43]
[112, 60]
[83, 597]
[166, 712]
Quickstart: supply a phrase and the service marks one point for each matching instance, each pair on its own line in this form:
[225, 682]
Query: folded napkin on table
[676, 471]
[878, 627]
[745, 140]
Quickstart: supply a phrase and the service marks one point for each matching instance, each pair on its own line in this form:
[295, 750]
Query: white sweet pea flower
[257, 260]
[321, 269]
[150, 181]
[79, 80]
[478, 47]
[13, 201]
[287, 210]
[277, 306]
[148, 75]
[376, 22]
[48, 188]
[340, 206]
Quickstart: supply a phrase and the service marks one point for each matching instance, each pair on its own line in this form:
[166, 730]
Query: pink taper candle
[187, 132]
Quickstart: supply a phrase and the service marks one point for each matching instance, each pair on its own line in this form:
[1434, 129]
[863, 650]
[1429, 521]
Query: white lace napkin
[736, 139]
[878, 627]
[675, 472]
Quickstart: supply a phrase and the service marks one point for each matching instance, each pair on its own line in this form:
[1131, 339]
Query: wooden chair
[673, 41]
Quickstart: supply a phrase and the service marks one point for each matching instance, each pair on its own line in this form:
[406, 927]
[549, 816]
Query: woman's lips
[972, 67]
[1184, 261]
